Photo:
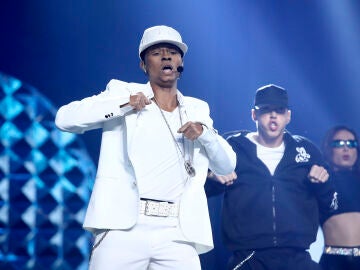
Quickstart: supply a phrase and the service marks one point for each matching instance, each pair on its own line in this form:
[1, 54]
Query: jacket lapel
[131, 117]
[188, 114]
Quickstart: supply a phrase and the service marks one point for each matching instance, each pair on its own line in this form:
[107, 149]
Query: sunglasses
[342, 143]
[269, 109]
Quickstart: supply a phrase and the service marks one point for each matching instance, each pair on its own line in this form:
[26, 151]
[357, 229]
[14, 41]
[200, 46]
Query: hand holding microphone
[139, 101]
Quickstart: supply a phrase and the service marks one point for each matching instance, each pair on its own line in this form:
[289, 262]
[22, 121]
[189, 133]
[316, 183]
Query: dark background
[70, 49]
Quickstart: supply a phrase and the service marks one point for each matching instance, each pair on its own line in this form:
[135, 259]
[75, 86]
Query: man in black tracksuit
[271, 211]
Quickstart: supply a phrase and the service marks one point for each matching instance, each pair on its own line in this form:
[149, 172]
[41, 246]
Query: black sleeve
[326, 196]
[325, 193]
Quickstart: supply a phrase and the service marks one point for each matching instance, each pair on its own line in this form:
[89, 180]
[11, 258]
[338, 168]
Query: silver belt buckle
[153, 208]
[164, 208]
[342, 251]
[158, 208]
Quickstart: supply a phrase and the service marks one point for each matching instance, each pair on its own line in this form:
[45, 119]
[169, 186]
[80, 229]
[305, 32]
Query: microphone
[180, 69]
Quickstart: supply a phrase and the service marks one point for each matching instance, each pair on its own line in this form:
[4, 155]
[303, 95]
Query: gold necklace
[187, 163]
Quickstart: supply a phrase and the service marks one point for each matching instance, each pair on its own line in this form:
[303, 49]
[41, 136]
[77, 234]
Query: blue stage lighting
[45, 181]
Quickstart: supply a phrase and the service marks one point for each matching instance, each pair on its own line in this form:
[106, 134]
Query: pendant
[189, 168]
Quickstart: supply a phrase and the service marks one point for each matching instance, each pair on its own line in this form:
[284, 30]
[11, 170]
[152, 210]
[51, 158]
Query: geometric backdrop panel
[46, 177]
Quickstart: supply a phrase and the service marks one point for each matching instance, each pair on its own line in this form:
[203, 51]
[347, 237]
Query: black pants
[339, 262]
[272, 259]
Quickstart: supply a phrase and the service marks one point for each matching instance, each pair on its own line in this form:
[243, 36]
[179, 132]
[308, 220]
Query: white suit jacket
[114, 200]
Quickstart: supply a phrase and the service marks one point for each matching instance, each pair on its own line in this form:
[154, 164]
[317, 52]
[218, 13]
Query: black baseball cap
[271, 95]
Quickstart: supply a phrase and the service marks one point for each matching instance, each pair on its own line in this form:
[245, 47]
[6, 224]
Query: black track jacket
[261, 210]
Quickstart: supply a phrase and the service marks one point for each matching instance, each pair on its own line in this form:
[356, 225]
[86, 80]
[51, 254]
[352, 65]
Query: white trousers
[149, 245]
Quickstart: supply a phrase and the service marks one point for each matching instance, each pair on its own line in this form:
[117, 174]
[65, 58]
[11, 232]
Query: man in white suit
[148, 209]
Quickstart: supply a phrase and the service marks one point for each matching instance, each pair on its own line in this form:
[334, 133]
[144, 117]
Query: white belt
[158, 208]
